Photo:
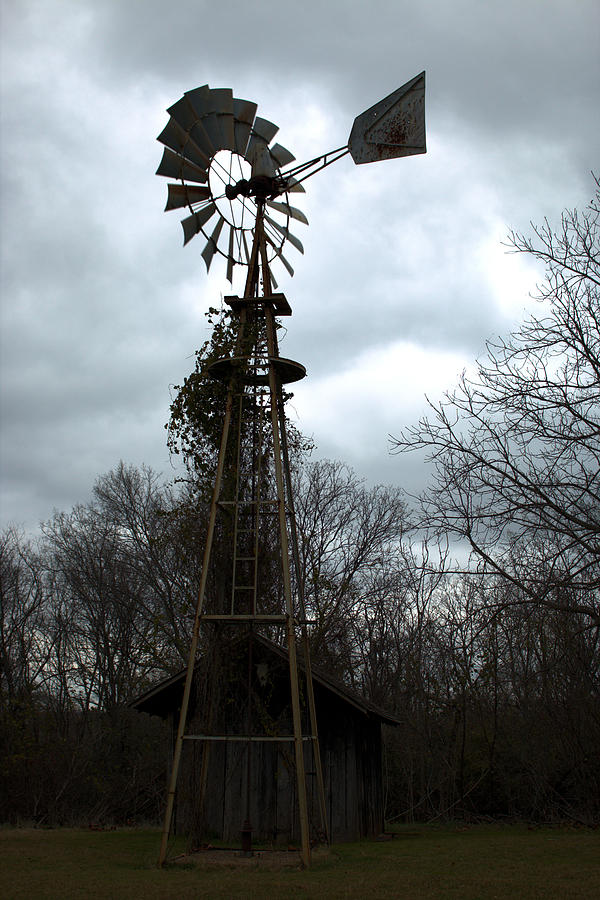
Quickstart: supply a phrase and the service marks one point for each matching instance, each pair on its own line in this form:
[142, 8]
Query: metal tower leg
[195, 634]
[302, 609]
[275, 388]
[196, 628]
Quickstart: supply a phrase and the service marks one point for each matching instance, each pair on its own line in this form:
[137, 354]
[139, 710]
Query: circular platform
[287, 370]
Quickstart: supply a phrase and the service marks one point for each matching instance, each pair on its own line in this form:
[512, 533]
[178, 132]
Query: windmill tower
[236, 186]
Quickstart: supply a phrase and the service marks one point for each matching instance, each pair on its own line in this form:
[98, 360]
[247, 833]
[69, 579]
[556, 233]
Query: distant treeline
[498, 697]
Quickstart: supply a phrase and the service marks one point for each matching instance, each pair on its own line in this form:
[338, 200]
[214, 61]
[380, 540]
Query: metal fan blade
[230, 259]
[241, 133]
[222, 106]
[244, 112]
[246, 251]
[265, 129]
[214, 109]
[220, 129]
[193, 224]
[262, 133]
[293, 186]
[185, 195]
[211, 246]
[213, 115]
[174, 166]
[198, 98]
[174, 136]
[286, 233]
[221, 101]
[183, 113]
[210, 123]
[288, 210]
[281, 256]
[201, 103]
[185, 116]
[227, 123]
[281, 155]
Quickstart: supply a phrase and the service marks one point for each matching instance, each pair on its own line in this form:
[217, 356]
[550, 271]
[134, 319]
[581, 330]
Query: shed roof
[165, 696]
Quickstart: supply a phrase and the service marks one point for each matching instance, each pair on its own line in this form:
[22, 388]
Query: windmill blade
[227, 123]
[263, 132]
[288, 210]
[244, 112]
[198, 97]
[241, 133]
[246, 251]
[182, 113]
[174, 136]
[174, 166]
[196, 105]
[201, 137]
[193, 224]
[185, 116]
[280, 255]
[265, 129]
[286, 233]
[230, 259]
[222, 100]
[214, 109]
[185, 195]
[293, 186]
[201, 103]
[211, 125]
[281, 155]
[211, 245]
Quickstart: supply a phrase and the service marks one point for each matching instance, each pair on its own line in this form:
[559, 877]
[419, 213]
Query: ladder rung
[246, 502]
[255, 738]
[241, 619]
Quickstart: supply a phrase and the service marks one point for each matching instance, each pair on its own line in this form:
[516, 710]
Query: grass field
[476, 863]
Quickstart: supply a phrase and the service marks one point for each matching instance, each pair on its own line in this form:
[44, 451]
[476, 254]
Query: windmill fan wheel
[219, 153]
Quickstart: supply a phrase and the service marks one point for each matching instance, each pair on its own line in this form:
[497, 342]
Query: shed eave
[144, 703]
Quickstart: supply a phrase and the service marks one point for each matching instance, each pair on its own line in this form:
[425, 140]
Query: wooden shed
[349, 737]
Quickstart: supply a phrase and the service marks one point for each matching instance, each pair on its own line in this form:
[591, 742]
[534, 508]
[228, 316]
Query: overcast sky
[404, 275]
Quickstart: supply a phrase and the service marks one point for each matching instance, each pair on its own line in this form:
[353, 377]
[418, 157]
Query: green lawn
[483, 862]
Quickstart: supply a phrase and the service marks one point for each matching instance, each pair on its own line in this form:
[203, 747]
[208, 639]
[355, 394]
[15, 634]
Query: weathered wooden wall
[351, 756]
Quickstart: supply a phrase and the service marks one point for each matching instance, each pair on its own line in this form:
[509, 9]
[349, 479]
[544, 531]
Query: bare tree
[24, 646]
[516, 448]
[346, 532]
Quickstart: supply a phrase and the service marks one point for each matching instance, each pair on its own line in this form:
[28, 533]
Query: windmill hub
[234, 190]
[262, 187]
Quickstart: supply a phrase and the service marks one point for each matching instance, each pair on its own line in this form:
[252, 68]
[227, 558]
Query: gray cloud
[102, 309]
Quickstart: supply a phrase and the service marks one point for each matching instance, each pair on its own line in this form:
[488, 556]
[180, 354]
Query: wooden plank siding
[351, 754]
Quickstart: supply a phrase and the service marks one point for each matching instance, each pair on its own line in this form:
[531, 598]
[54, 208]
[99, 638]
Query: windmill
[237, 188]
